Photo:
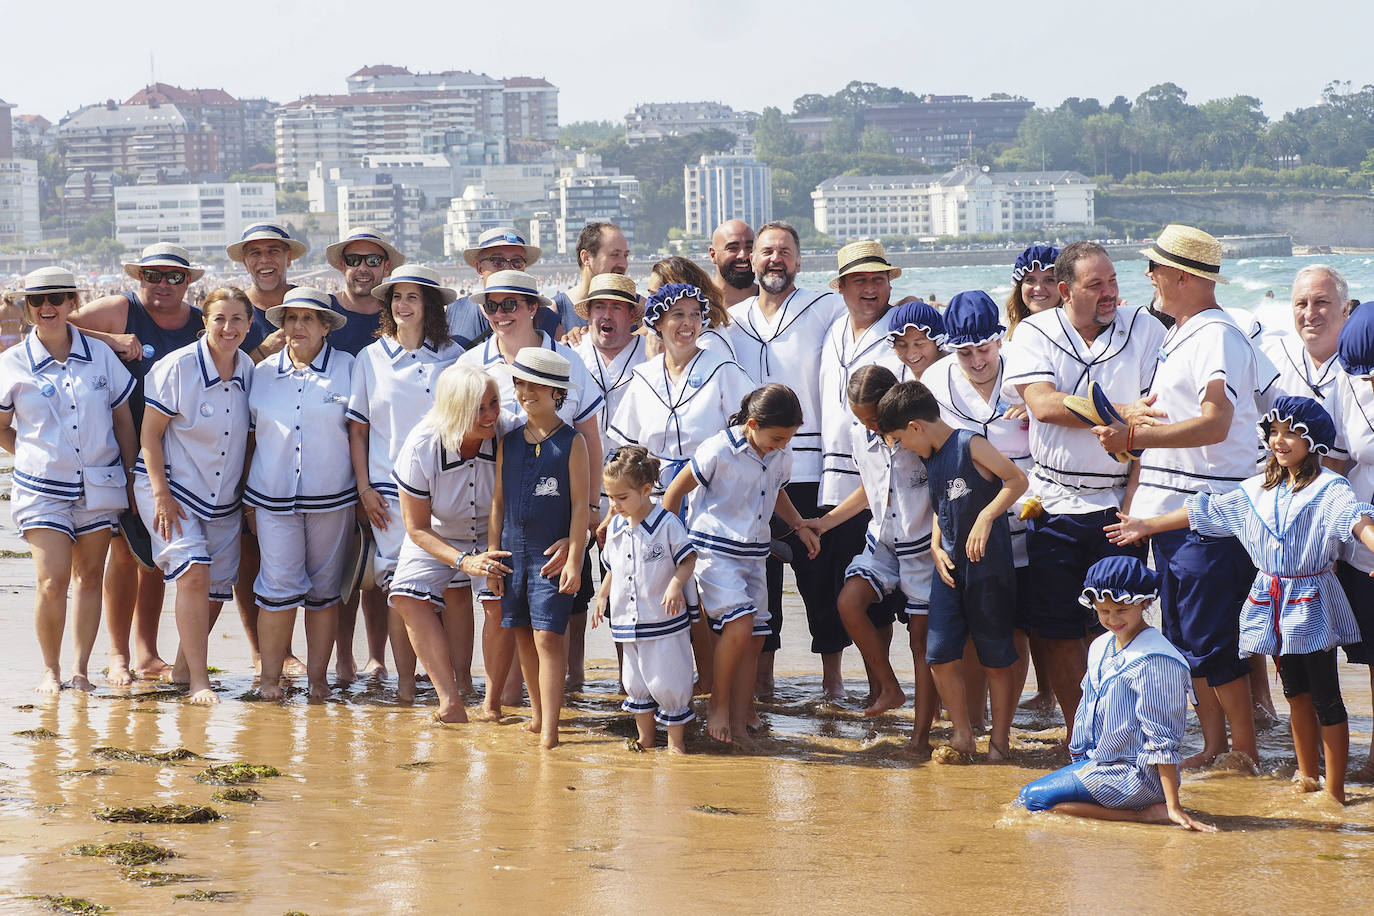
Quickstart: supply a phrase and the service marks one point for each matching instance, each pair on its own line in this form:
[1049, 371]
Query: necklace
[537, 442]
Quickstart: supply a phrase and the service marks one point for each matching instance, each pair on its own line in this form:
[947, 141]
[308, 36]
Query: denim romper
[538, 511]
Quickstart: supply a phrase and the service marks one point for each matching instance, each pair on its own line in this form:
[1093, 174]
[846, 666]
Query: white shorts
[658, 678]
[731, 587]
[29, 510]
[420, 575]
[211, 541]
[302, 558]
[881, 568]
[388, 543]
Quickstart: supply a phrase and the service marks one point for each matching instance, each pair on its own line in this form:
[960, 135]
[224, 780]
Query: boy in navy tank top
[972, 485]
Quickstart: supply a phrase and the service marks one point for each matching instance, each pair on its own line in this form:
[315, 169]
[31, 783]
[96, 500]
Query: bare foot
[455, 716]
[156, 670]
[549, 742]
[831, 692]
[1236, 761]
[1364, 773]
[1155, 814]
[486, 714]
[677, 748]
[292, 667]
[1303, 784]
[374, 668]
[964, 744]
[718, 727]
[1041, 702]
[51, 683]
[466, 688]
[270, 692]
[203, 697]
[117, 675]
[574, 683]
[178, 675]
[82, 682]
[319, 691]
[405, 693]
[921, 750]
[345, 670]
[888, 699]
[948, 754]
[1201, 759]
[998, 754]
[534, 726]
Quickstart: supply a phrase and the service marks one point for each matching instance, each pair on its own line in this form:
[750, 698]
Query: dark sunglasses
[500, 263]
[371, 260]
[154, 277]
[36, 299]
[505, 305]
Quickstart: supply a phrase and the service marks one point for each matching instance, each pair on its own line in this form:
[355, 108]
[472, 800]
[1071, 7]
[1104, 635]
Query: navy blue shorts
[1063, 785]
[1204, 581]
[1359, 588]
[1061, 548]
[983, 607]
[533, 601]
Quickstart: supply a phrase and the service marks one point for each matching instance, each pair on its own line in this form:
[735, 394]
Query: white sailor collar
[38, 354]
[694, 377]
[1180, 333]
[491, 350]
[395, 352]
[486, 451]
[737, 439]
[209, 375]
[1279, 508]
[320, 364]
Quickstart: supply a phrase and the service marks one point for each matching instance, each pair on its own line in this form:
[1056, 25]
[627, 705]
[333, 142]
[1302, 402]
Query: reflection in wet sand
[380, 810]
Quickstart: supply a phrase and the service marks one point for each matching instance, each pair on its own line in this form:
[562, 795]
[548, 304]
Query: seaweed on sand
[230, 774]
[158, 814]
[129, 852]
[60, 903]
[149, 877]
[37, 734]
[206, 896]
[237, 794]
[118, 753]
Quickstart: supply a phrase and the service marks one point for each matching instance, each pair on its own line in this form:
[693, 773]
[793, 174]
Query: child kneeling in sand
[1129, 726]
[649, 561]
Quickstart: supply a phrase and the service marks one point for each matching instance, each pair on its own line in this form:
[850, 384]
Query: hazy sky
[606, 55]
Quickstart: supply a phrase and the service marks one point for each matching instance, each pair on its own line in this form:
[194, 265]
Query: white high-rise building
[471, 215]
[19, 216]
[721, 188]
[201, 217]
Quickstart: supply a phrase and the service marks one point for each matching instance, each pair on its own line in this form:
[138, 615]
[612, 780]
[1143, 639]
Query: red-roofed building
[243, 128]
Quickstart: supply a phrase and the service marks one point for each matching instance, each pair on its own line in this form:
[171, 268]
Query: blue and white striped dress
[1132, 717]
[1296, 605]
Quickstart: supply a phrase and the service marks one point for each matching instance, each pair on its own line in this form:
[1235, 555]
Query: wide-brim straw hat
[269, 231]
[609, 286]
[418, 274]
[499, 238]
[543, 367]
[511, 281]
[307, 297]
[49, 280]
[1190, 250]
[334, 253]
[863, 257]
[165, 255]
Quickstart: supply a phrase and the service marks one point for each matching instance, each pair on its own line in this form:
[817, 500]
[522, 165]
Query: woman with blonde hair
[446, 472]
[1033, 285]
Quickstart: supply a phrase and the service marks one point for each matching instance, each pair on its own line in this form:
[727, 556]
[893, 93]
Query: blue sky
[607, 55]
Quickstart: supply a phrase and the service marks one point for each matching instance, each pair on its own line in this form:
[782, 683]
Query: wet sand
[380, 811]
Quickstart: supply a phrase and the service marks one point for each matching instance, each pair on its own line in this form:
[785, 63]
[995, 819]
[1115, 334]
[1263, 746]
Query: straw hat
[866, 256]
[418, 274]
[334, 253]
[497, 238]
[269, 231]
[49, 280]
[307, 297]
[543, 367]
[511, 281]
[609, 286]
[164, 254]
[1190, 250]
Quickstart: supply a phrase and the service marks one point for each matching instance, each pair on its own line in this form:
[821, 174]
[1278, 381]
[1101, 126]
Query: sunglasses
[516, 263]
[36, 299]
[371, 260]
[505, 305]
[154, 277]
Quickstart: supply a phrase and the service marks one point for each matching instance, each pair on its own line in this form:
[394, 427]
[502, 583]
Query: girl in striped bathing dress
[1293, 521]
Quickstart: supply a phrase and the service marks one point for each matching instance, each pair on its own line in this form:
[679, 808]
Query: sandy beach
[377, 810]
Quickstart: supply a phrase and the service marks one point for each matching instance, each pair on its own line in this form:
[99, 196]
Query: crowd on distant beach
[990, 476]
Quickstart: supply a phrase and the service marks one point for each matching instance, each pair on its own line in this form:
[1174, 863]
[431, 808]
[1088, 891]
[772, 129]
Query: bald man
[732, 248]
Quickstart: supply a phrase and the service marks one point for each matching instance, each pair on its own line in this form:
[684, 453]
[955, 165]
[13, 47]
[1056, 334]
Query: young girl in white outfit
[741, 472]
[649, 560]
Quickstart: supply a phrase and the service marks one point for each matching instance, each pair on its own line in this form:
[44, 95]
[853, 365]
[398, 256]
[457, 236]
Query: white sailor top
[459, 490]
[300, 454]
[1207, 347]
[582, 402]
[207, 433]
[1296, 605]
[730, 513]
[1354, 416]
[673, 418]
[642, 559]
[611, 378]
[841, 356]
[783, 349]
[62, 412]
[1072, 474]
[894, 481]
[1300, 377]
[717, 340]
[1131, 718]
[962, 407]
[392, 389]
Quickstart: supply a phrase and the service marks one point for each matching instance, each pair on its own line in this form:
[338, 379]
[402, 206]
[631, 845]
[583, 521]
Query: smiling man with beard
[732, 251]
[266, 250]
